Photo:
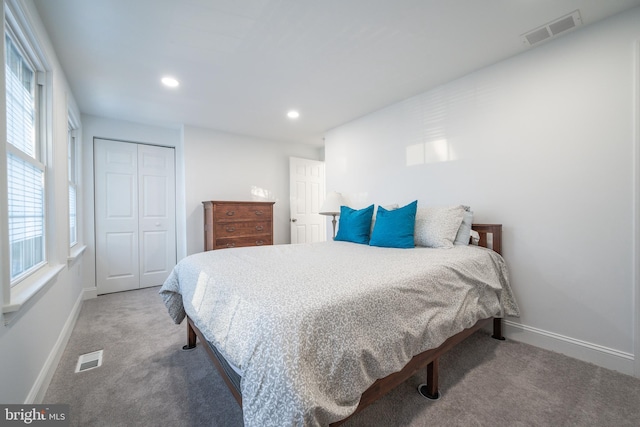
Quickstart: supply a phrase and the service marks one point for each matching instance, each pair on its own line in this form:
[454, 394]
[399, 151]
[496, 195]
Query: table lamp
[331, 206]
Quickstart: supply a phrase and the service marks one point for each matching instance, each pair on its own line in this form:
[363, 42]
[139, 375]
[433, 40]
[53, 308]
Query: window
[25, 169]
[73, 186]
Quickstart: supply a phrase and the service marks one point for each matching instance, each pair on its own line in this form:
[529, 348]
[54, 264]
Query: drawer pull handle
[259, 242]
[259, 213]
[231, 245]
[231, 213]
[259, 228]
[230, 229]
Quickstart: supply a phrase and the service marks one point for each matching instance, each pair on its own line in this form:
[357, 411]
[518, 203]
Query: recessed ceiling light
[293, 114]
[170, 82]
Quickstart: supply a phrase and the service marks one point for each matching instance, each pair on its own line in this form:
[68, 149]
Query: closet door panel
[116, 216]
[157, 225]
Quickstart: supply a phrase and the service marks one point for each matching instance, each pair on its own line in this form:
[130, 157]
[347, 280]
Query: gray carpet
[147, 380]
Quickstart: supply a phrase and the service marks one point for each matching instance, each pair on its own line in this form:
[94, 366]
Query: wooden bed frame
[491, 237]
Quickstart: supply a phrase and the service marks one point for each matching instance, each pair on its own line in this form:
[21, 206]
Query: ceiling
[242, 64]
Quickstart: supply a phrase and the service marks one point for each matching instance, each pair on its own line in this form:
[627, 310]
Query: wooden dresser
[237, 224]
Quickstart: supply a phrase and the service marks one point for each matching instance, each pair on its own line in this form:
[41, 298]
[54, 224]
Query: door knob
[293, 220]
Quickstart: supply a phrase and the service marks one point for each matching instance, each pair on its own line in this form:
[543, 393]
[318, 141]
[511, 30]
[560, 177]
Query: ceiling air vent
[553, 28]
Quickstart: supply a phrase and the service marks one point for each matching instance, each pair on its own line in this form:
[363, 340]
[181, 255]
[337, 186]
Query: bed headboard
[490, 236]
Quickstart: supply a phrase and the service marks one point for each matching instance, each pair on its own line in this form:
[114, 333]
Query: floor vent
[89, 361]
[553, 29]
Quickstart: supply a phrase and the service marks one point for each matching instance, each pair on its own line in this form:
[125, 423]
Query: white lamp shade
[332, 203]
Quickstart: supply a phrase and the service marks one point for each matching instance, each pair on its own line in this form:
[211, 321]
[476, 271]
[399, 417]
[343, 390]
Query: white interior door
[134, 215]
[307, 190]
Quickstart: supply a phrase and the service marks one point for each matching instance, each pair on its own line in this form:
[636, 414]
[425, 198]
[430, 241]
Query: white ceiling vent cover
[553, 29]
[89, 361]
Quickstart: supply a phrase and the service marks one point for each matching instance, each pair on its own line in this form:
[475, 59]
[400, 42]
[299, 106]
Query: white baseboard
[588, 352]
[90, 293]
[37, 392]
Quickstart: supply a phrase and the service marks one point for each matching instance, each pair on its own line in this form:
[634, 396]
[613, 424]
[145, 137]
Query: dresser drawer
[224, 212]
[240, 242]
[245, 228]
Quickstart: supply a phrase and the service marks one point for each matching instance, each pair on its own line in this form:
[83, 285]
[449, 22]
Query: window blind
[73, 232]
[71, 162]
[21, 112]
[26, 215]
[25, 174]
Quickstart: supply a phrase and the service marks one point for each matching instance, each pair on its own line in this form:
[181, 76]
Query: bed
[311, 334]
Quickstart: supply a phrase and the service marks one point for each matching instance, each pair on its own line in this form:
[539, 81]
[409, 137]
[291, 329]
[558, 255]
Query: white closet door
[135, 215]
[116, 216]
[157, 212]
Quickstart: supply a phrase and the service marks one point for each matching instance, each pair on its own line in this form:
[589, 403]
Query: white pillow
[475, 237]
[436, 227]
[464, 232]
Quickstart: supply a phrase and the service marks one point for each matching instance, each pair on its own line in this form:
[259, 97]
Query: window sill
[76, 252]
[22, 293]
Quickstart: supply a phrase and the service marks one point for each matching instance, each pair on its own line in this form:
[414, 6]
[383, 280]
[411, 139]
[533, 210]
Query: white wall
[210, 165]
[542, 143]
[223, 166]
[99, 127]
[33, 340]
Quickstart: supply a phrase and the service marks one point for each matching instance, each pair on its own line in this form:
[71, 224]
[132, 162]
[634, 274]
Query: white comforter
[312, 326]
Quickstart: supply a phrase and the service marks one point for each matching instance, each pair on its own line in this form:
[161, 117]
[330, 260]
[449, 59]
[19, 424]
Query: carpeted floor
[147, 380]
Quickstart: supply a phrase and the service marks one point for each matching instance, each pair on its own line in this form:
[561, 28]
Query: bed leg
[191, 338]
[430, 389]
[497, 329]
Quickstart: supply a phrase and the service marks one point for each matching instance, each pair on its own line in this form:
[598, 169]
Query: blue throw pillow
[354, 225]
[394, 229]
